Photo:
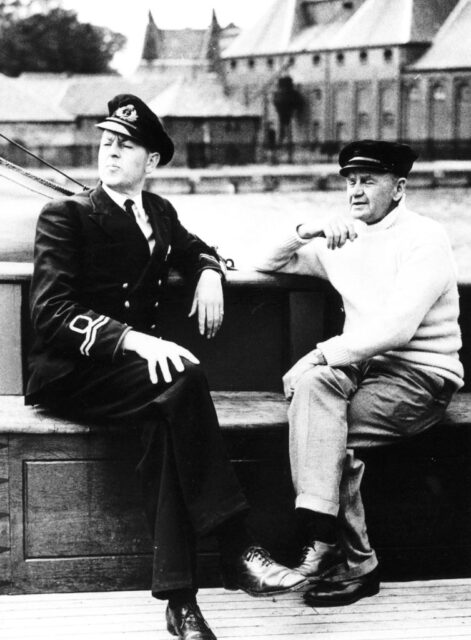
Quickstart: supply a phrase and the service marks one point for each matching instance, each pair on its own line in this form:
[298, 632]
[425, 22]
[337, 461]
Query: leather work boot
[256, 573]
[338, 594]
[187, 622]
[320, 560]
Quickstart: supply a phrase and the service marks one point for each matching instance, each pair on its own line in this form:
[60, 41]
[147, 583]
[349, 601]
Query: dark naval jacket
[94, 278]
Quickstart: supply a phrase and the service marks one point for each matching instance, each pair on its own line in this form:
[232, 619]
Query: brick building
[361, 68]
[310, 75]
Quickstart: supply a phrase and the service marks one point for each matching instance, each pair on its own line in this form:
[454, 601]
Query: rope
[10, 166]
[33, 155]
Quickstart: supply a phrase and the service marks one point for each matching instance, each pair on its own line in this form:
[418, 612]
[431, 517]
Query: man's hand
[291, 377]
[157, 352]
[209, 302]
[336, 230]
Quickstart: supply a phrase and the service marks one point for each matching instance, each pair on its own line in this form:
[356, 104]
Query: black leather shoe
[256, 573]
[187, 622]
[337, 594]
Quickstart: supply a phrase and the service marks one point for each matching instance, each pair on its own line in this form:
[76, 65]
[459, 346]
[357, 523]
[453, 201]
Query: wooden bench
[70, 520]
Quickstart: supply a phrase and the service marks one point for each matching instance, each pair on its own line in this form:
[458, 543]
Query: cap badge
[127, 112]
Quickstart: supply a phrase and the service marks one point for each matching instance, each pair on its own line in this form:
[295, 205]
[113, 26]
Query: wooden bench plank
[237, 410]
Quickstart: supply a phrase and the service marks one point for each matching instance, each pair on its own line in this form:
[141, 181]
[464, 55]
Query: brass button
[127, 304]
[125, 285]
[156, 305]
[153, 326]
[160, 283]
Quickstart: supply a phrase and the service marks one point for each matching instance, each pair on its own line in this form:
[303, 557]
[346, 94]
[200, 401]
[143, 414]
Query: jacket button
[159, 283]
[125, 285]
[153, 326]
[156, 305]
[127, 304]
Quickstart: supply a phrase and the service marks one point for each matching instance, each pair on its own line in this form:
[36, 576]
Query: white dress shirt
[139, 213]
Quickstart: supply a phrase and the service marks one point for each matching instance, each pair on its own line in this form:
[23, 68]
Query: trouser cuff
[316, 503]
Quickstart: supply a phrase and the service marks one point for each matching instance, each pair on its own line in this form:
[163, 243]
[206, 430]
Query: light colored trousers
[336, 410]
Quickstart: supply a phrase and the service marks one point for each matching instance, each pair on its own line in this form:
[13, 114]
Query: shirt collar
[120, 198]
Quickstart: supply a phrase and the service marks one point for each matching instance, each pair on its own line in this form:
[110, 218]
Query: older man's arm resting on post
[425, 273]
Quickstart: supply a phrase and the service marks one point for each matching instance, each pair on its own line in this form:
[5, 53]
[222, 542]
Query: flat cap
[131, 117]
[378, 156]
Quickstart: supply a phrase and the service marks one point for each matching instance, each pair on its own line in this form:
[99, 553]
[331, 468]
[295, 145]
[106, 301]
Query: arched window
[414, 116]
[440, 124]
[463, 111]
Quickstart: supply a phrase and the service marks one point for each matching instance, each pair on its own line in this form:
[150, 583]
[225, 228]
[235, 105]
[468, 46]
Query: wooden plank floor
[401, 611]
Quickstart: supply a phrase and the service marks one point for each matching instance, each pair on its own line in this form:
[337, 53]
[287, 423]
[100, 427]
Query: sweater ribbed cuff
[294, 240]
[335, 352]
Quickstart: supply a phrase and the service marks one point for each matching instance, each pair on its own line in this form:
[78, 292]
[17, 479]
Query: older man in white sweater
[389, 374]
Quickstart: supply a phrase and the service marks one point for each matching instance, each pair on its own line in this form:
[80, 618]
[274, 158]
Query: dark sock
[233, 537]
[180, 597]
[314, 525]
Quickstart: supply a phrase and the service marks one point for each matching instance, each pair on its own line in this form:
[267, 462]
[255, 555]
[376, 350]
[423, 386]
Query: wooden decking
[401, 611]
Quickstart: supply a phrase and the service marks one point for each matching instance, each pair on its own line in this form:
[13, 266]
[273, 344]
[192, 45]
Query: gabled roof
[64, 98]
[271, 34]
[86, 95]
[319, 37]
[18, 104]
[452, 46]
[176, 44]
[398, 22]
[199, 99]
[373, 23]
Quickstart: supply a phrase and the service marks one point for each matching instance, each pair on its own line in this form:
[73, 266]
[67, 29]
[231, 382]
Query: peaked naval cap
[131, 117]
[377, 156]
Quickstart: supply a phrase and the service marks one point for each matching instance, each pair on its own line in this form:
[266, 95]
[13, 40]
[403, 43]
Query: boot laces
[305, 552]
[260, 554]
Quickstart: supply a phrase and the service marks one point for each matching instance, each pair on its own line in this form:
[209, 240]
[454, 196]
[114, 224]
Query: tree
[53, 41]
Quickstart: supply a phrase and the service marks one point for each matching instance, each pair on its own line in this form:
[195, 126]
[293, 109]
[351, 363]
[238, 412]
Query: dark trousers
[188, 483]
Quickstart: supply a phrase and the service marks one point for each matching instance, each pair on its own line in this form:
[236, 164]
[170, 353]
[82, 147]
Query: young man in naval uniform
[391, 372]
[100, 268]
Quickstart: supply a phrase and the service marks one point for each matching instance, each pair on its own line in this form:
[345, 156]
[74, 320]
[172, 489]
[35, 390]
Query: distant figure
[389, 375]
[270, 142]
[100, 272]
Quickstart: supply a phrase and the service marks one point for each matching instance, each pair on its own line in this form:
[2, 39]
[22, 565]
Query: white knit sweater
[399, 290]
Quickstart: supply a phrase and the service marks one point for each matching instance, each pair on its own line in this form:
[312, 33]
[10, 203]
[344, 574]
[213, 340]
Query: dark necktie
[128, 207]
[144, 226]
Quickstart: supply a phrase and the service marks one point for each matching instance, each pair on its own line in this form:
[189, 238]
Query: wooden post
[11, 376]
